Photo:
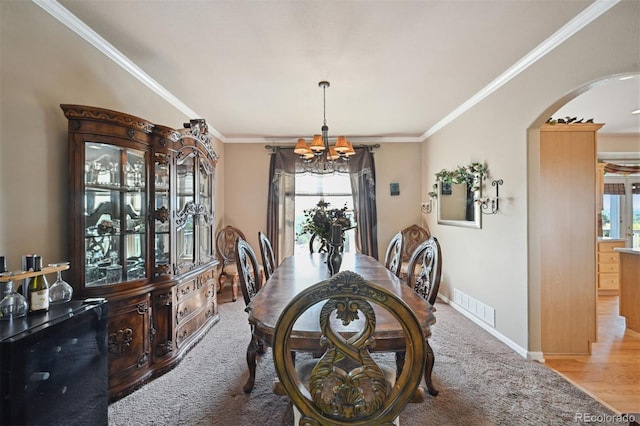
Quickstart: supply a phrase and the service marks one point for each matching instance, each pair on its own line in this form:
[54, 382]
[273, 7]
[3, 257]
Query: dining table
[300, 271]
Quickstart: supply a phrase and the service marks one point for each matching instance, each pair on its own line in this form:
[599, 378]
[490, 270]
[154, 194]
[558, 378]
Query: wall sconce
[427, 207]
[491, 205]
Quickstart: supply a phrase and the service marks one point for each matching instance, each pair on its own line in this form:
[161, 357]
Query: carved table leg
[429, 369]
[252, 349]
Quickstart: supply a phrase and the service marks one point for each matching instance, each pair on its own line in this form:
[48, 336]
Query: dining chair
[266, 254]
[250, 283]
[412, 237]
[317, 244]
[226, 248]
[392, 257]
[346, 385]
[423, 275]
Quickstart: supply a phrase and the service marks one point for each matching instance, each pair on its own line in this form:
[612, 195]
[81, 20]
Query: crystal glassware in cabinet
[115, 236]
[185, 210]
[161, 215]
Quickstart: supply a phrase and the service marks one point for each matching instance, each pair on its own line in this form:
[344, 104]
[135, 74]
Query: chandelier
[320, 156]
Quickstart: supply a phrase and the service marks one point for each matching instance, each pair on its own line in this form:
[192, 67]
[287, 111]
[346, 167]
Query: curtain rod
[274, 148]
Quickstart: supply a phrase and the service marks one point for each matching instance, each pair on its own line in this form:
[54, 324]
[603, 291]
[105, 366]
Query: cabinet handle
[142, 308]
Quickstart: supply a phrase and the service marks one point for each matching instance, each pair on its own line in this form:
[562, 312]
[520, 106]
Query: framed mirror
[456, 203]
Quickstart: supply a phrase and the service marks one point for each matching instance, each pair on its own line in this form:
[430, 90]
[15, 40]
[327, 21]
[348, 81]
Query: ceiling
[399, 70]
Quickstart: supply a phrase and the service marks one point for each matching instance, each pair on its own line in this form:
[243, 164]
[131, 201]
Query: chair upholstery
[412, 237]
[266, 254]
[423, 275]
[393, 255]
[250, 283]
[346, 386]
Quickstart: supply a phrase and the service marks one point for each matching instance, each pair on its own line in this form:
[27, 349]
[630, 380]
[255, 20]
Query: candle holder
[491, 205]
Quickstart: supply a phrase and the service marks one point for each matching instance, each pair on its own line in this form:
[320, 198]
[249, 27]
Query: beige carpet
[481, 382]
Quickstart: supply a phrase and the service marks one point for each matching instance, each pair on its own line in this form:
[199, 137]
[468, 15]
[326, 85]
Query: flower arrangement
[318, 220]
[461, 174]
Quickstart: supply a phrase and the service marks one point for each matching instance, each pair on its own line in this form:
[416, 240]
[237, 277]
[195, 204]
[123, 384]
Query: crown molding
[580, 21]
[63, 15]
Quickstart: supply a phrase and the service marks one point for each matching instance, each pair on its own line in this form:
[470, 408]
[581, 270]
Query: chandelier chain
[324, 104]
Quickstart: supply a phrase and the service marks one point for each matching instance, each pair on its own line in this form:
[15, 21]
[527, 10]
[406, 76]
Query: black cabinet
[53, 366]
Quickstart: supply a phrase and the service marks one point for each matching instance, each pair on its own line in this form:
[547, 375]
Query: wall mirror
[457, 205]
[456, 193]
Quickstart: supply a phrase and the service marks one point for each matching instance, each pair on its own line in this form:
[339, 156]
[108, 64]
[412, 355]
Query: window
[334, 189]
[621, 209]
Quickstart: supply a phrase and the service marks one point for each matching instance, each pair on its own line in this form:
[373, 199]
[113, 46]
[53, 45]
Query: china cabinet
[141, 218]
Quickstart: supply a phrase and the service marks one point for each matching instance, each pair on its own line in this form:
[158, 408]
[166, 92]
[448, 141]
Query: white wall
[497, 264]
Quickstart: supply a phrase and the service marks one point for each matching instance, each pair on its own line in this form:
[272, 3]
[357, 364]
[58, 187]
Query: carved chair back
[346, 386]
[425, 270]
[412, 237]
[266, 254]
[226, 243]
[248, 270]
[393, 255]
[317, 244]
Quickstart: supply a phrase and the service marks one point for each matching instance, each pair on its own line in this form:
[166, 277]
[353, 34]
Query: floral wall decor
[462, 174]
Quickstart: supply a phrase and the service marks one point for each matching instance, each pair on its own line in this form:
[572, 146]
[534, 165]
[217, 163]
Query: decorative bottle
[38, 289]
[4, 288]
[12, 304]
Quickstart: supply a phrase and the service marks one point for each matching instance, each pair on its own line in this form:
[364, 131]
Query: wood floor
[612, 373]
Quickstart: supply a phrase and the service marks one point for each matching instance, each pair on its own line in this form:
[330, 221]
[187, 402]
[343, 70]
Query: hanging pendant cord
[324, 104]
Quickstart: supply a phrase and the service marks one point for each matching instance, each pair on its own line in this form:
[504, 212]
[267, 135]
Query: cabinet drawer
[609, 257]
[608, 267]
[194, 324]
[608, 281]
[609, 246]
[196, 301]
[190, 286]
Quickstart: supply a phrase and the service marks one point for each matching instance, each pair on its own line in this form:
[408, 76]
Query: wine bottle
[27, 266]
[4, 288]
[38, 289]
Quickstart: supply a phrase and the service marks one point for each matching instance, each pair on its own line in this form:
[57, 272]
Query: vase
[334, 258]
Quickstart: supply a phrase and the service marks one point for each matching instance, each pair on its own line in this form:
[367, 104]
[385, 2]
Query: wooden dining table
[300, 271]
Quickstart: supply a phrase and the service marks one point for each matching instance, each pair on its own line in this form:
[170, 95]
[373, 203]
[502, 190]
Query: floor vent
[484, 312]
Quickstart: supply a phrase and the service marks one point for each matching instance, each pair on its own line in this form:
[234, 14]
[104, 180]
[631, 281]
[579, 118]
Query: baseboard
[533, 356]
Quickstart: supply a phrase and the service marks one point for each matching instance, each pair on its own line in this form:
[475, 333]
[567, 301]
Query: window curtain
[621, 169]
[614, 188]
[281, 204]
[362, 172]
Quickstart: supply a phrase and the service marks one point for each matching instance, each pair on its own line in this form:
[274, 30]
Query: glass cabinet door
[185, 208]
[114, 204]
[162, 206]
[205, 218]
